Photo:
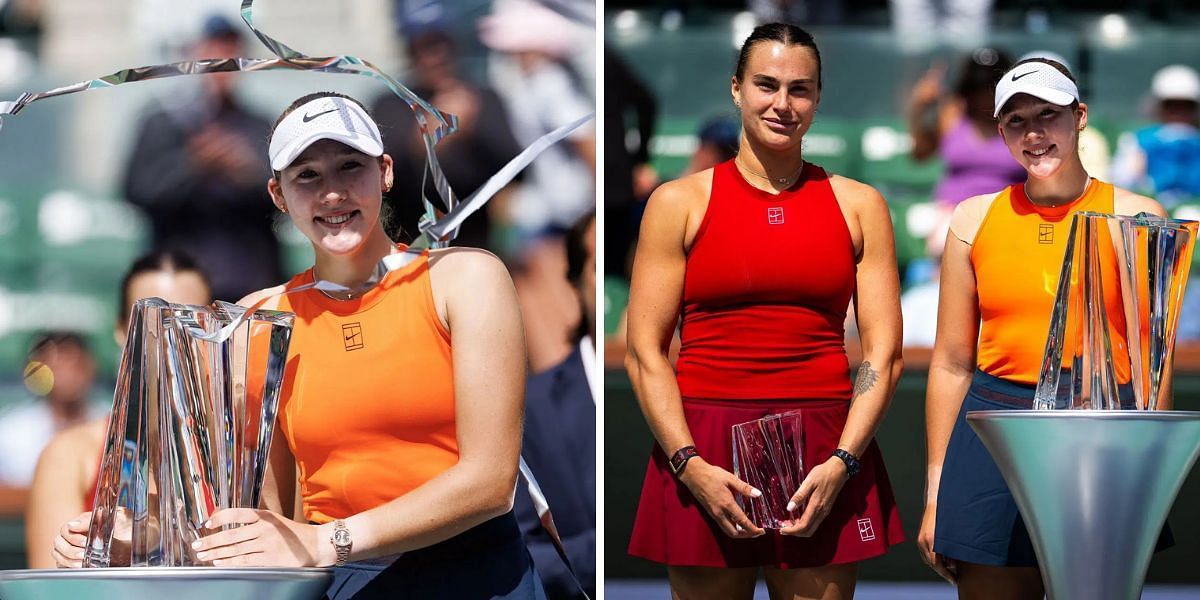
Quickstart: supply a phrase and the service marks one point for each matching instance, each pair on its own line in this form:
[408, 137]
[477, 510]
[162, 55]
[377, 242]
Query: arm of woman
[279, 483]
[474, 292]
[950, 370]
[56, 497]
[877, 310]
[656, 288]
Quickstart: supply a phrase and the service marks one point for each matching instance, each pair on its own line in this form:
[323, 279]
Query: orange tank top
[367, 404]
[1017, 256]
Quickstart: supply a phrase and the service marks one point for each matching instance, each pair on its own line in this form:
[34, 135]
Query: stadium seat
[616, 298]
[672, 146]
[85, 242]
[887, 164]
[834, 145]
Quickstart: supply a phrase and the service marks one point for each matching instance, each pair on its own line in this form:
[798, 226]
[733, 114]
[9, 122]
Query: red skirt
[671, 528]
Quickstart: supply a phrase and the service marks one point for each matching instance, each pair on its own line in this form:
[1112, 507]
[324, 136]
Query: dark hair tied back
[784, 33]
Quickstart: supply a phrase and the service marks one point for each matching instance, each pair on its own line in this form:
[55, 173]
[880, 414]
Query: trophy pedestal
[176, 583]
[1094, 488]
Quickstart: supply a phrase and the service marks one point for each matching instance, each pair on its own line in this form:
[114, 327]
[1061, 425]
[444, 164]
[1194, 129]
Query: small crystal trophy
[191, 425]
[767, 454]
[1115, 361]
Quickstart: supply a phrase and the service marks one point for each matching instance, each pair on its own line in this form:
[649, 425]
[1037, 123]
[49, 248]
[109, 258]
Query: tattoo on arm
[867, 376]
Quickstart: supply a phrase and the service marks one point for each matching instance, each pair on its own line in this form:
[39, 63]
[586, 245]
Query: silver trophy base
[175, 583]
[1094, 488]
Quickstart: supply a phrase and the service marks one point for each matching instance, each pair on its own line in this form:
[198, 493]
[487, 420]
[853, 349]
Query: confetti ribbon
[433, 124]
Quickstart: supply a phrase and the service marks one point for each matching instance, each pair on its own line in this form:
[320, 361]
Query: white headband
[328, 118]
[1037, 79]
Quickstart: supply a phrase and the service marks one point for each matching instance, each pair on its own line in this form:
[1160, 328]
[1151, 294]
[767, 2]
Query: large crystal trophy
[1140, 264]
[191, 425]
[1094, 484]
[767, 454]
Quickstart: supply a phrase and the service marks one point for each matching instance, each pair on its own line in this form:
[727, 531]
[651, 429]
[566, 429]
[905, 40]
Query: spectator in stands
[717, 142]
[560, 438]
[64, 483]
[920, 24]
[813, 13]
[1164, 159]
[628, 176]
[482, 145]
[530, 71]
[959, 128]
[60, 373]
[197, 170]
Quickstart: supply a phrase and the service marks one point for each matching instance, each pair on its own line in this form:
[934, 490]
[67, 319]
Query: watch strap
[680, 458]
[853, 466]
[341, 542]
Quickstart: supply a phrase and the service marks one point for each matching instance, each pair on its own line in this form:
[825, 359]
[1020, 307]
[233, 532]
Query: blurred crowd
[947, 123]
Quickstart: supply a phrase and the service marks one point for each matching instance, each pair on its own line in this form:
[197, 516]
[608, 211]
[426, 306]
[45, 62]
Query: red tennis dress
[767, 285]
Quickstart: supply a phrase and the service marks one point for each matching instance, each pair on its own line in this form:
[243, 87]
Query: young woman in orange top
[1000, 273]
[400, 415]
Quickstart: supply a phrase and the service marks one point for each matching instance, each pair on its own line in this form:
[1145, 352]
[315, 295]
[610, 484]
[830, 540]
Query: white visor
[329, 118]
[1037, 79]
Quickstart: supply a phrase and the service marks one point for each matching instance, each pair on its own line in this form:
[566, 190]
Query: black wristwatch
[852, 464]
[680, 458]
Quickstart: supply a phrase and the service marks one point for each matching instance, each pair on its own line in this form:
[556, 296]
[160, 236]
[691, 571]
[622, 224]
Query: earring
[737, 103]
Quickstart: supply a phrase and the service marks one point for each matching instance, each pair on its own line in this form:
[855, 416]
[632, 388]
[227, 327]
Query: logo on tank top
[352, 336]
[775, 215]
[1045, 233]
[866, 532]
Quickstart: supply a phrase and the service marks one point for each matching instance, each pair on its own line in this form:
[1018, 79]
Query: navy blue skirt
[977, 517]
[487, 561]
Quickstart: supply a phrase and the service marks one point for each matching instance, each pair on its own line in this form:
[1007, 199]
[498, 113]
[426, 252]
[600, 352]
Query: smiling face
[1041, 135]
[333, 193]
[778, 94]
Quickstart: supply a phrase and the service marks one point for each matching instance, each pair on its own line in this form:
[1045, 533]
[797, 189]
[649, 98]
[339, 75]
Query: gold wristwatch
[341, 542]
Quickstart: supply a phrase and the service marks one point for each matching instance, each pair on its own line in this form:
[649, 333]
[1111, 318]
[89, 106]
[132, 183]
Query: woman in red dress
[761, 256]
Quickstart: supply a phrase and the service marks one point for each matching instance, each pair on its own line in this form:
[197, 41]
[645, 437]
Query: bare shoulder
[1126, 202]
[683, 194]
[254, 297]
[81, 442]
[466, 266]
[976, 206]
[859, 197]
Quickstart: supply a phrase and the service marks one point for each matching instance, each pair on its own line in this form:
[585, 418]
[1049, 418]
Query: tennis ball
[39, 378]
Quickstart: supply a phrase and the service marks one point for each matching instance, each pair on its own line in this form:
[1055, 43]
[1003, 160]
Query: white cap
[1037, 79]
[328, 118]
[1176, 82]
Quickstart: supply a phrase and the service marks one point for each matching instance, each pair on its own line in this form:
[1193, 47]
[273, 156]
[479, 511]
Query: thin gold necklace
[784, 181]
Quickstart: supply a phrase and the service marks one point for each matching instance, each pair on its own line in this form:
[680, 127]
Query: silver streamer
[434, 124]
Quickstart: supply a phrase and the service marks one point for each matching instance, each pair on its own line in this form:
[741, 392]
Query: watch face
[341, 537]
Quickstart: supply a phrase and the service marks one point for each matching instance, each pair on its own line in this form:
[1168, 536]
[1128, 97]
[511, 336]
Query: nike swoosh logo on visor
[308, 118]
[1016, 77]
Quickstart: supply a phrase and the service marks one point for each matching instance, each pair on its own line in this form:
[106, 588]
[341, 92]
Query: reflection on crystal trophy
[190, 428]
[1140, 264]
[767, 454]
[1094, 484]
